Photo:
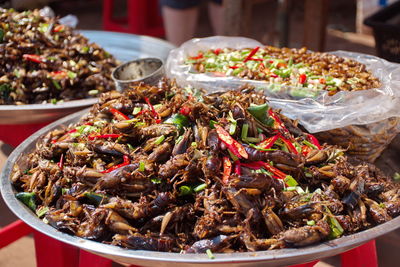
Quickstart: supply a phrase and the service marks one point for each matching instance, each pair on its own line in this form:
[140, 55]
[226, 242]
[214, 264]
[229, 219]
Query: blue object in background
[382, 3]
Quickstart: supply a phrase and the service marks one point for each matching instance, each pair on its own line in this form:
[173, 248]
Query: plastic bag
[316, 114]
[68, 20]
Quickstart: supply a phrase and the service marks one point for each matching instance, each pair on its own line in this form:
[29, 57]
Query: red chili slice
[126, 162]
[252, 53]
[234, 146]
[153, 110]
[237, 167]
[269, 142]
[302, 78]
[59, 28]
[61, 162]
[289, 145]
[185, 110]
[199, 56]
[217, 51]
[119, 114]
[33, 58]
[104, 136]
[314, 141]
[278, 121]
[227, 165]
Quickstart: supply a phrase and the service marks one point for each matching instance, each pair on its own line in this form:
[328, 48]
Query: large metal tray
[122, 45]
[148, 258]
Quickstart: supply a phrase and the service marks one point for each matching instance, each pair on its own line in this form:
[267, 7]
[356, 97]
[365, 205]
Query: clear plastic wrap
[317, 113]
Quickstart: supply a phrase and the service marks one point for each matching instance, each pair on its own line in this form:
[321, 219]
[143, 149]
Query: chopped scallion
[141, 166]
[184, 190]
[159, 140]
[136, 110]
[200, 187]
[210, 254]
[245, 131]
[311, 223]
[290, 181]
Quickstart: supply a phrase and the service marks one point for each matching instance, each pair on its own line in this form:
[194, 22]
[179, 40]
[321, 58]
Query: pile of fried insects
[169, 169]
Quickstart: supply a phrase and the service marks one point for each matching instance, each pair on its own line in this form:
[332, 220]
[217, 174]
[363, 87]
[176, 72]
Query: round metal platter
[123, 46]
[148, 258]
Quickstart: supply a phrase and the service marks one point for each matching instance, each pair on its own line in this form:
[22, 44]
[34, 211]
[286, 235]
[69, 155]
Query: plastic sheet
[363, 121]
[316, 114]
[68, 20]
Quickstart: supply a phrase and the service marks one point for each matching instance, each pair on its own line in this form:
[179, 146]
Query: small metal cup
[147, 70]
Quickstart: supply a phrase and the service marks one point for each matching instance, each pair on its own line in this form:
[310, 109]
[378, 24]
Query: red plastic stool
[14, 134]
[143, 17]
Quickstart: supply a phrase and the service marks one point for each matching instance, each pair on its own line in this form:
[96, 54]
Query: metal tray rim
[325, 249]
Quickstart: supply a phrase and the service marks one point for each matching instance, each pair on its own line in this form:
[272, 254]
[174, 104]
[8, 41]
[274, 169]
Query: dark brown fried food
[194, 181]
[43, 61]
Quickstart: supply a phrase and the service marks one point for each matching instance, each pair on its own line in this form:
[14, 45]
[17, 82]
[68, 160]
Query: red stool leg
[13, 232]
[107, 13]
[53, 253]
[362, 256]
[16, 133]
[308, 264]
[137, 12]
[87, 259]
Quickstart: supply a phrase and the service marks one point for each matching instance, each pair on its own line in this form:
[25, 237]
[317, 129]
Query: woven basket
[364, 142]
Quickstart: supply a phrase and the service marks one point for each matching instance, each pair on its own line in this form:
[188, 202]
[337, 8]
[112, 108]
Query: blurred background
[320, 25]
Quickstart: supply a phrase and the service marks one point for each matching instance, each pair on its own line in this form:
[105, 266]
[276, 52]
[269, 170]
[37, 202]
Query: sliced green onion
[95, 198]
[40, 212]
[233, 157]
[396, 176]
[56, 84]
[336, 228]
[1, 35]
[93, 92]
[290, 188]
[141, 166]
[64, 191]
[53, 101]
[232, 128]
[130, 146]
[210, 254]
[156, 180]
[310, 144]
[185, 190]
[212, 123]
[136, 110]
[29, 199]
[253, 139]
[72, 75]
[290, 181]
[311, 223]
[84, 49]
[260, 148]
[140, 124]
[193, 144]
[159, 140]
[245, 131]
[178, 120]
[200, 187]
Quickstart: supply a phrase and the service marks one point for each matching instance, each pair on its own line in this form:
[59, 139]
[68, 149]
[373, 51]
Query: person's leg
[180, 19]
[216, 14]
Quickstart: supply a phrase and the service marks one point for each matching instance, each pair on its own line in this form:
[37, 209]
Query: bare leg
[216, 14]
[180, 24]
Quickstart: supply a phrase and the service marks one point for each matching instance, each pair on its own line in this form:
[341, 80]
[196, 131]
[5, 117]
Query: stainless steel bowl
[148, 70]
[149, 258]
[123, 46]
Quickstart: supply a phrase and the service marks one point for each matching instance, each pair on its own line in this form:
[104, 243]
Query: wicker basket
[364, 142]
